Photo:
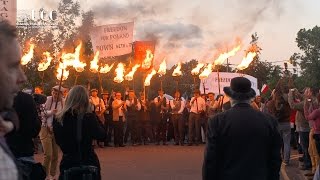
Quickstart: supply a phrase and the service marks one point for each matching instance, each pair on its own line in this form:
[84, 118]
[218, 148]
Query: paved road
[163, 163]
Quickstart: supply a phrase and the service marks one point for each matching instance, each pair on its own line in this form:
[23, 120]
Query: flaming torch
[205, 73]
[147, 62]
[176, 74]
[162, 71]
[62, 75]
[119, 73]
[149, 76]
[77, 64]
[222, 57]
[27, 57]
[106, 68]
[246, 61]
[44, 64]
[129, 76]
[195, 71]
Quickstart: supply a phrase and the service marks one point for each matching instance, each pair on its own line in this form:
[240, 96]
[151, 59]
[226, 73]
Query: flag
[264, 88]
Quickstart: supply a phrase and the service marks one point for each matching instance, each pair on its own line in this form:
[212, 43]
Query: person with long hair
[77, 150]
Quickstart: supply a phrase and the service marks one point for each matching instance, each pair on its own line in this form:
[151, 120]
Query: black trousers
[108, 125]
[118, 132]
[146, 131]
[178, 125]
[161, 129]
[194, 128]
[130, 129]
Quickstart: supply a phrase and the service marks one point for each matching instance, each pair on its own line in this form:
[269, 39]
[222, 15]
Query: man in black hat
[242, 143]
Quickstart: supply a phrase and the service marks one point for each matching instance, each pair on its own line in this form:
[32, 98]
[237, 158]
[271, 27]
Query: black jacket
[243, 144]
[20, 141]
[66, 138]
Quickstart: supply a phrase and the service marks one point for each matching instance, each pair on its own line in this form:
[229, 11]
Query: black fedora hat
[240, 89]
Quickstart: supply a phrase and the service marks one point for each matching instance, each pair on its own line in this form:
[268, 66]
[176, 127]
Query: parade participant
[107, 99]
[212, 105]
[99, 109]
[119, 107]
[162, 107]
[11, 78]
[296, 101]
[177, 106]
[75, 128]
[133, 108]
[54, 103]
[65, 92]
[145, 121]
[253, 135]
[198, 107]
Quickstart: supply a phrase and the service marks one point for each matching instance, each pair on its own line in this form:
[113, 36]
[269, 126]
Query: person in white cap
[53, 104]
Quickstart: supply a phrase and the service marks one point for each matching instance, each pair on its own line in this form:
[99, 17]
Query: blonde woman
[77, 148]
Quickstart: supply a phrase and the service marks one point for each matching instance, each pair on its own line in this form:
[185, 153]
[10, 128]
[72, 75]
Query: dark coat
[20, 141]
[243, 144]
[66, 138]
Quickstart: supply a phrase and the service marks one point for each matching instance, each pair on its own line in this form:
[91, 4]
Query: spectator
[242, 143]
[77, 150]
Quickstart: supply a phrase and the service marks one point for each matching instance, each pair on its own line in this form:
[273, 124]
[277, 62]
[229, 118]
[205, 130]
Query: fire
[94, 67]
[196, 70]
[206, 72]
[246, 61]
[120, 73]
[222, 57]
[27, 57]
[106, 68]
[148, 78]
[73, 59]
[163, 68]
[177, 70]
[63, 66]
[129, 76]
[146, 64]
[45, 63]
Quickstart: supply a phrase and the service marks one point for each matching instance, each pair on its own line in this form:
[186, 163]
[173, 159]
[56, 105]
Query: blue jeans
[285, 132]
[304, 141]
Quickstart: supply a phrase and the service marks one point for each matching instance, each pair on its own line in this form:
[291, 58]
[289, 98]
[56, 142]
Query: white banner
[8, 11]
[211, 83]
[112, 40]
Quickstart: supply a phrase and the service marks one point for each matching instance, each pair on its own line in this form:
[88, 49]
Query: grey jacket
[302, 125]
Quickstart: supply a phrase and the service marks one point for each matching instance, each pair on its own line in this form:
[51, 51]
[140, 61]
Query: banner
[140, 48]
[112, 40]
[8, 11]
[211, 83]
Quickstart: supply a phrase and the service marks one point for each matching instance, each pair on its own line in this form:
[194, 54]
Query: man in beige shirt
[119, 107]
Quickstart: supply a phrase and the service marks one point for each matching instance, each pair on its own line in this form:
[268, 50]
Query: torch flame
[106, 68]
[206, 72]
[63, 66]
[163, 68]
[246, 61]
[196, 70]
[148, 78]
[27, 57]
[146, 64]
[45, 63]
[129, 76]
[177, 70]
[120, 73]
[222, 57]
[73, 59]
[94, 67]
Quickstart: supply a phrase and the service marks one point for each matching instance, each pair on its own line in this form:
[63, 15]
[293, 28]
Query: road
[163, 163]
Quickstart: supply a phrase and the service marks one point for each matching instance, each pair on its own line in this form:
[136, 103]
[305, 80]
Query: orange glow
[177, 70]
[73, 59]
[196, 70]
[222, 57]
[94, 67]
[163, 68]
[106, 68]
[45, 63]
[147, 62]
[149, 77]
[65, 72]
[27, 57]
[246, 61]
[129, 76]
[206, 72]
[119, 73]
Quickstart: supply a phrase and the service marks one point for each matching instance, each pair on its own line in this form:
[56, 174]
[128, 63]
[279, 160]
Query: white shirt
[183, 103]
[97, 102]
[130, 103]
[156, 101]
[121, 113]
[49, 106]
[197, 105]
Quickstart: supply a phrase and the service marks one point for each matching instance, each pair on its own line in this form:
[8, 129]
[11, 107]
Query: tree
[309, 43]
